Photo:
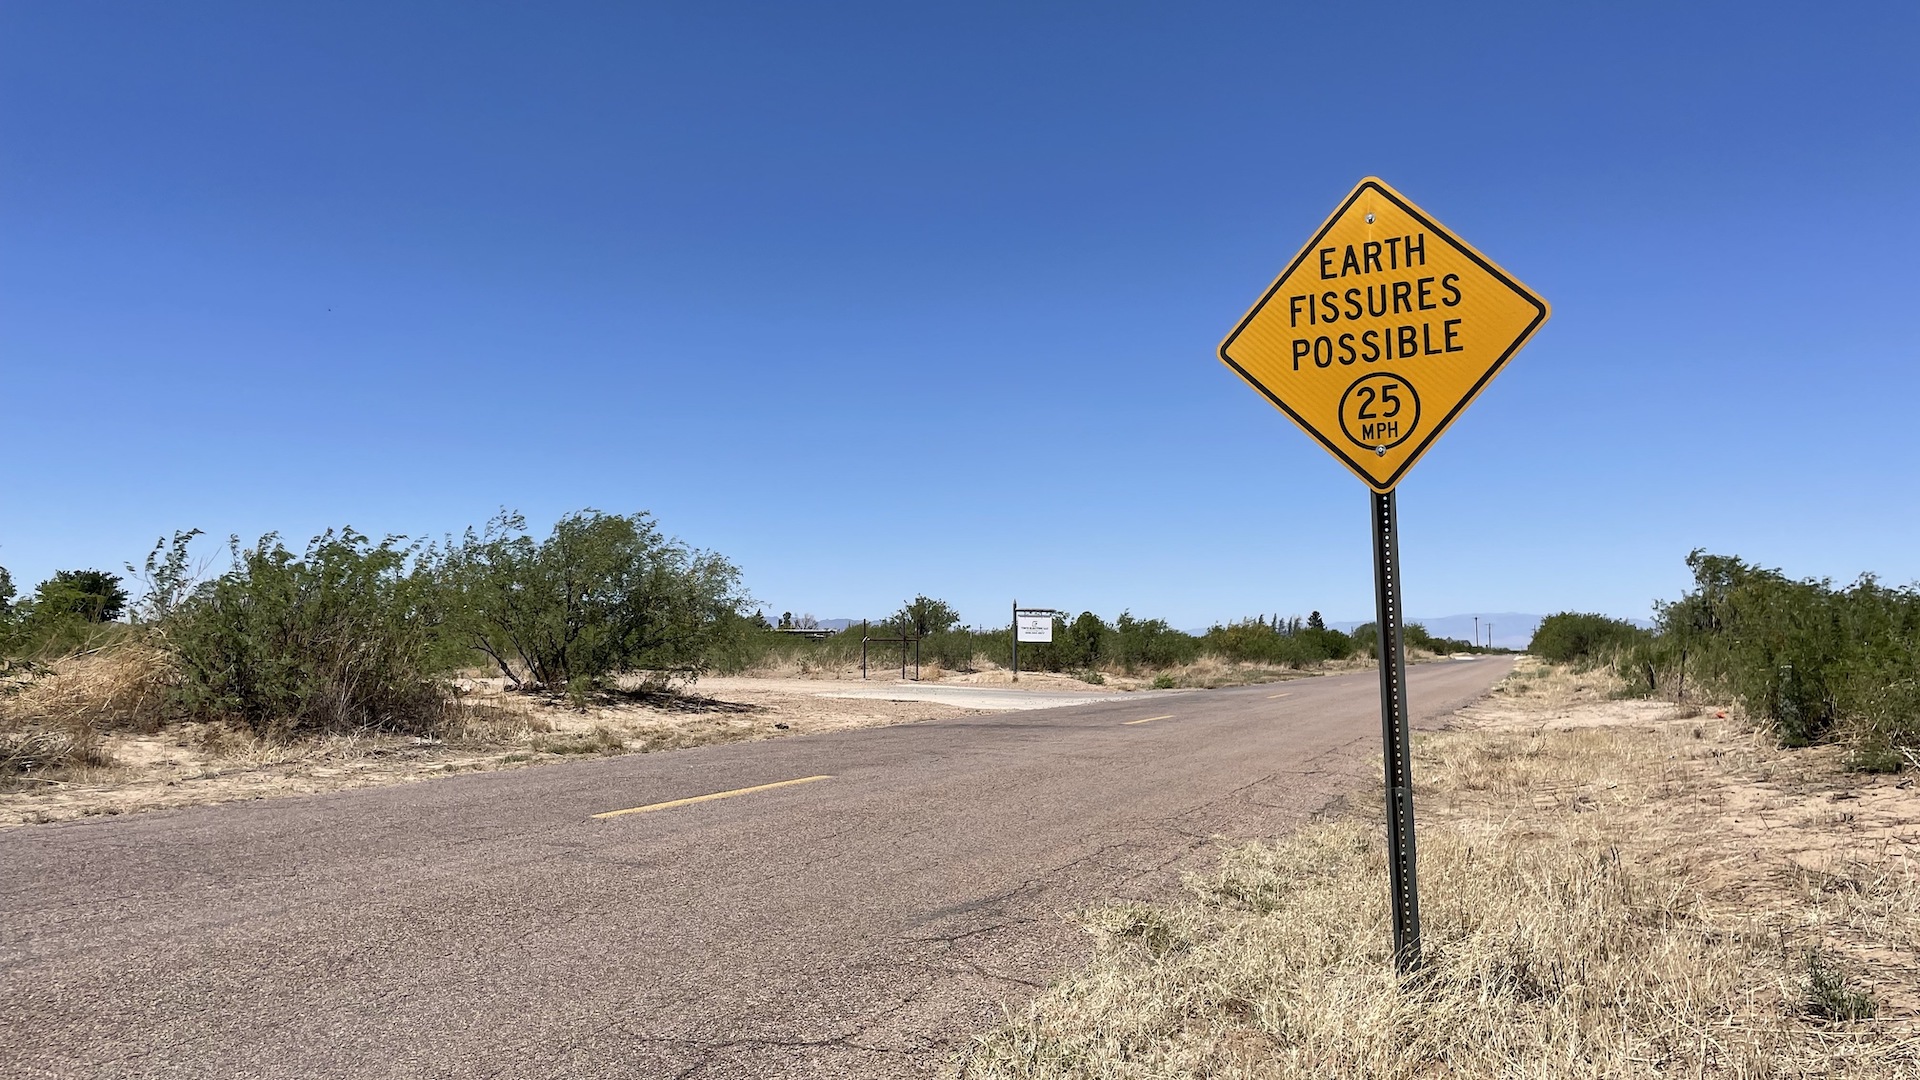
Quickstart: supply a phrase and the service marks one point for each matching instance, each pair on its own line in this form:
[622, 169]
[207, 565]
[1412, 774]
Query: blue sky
[883, 299]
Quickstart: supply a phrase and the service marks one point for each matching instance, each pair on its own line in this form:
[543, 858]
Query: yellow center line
[1148, 720]
[650, 807]
[1270, 697]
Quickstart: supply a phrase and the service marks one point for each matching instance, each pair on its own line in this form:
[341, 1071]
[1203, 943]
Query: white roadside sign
[1036, 628]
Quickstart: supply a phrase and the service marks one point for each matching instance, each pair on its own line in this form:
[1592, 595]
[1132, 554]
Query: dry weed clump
[599, 739]
[1546, 689]
[55, 718]
[1210, 672]
[815, 667]
[1594, 904]
[491, 723]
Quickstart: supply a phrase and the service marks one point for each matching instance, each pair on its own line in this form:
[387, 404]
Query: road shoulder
[1608, 888]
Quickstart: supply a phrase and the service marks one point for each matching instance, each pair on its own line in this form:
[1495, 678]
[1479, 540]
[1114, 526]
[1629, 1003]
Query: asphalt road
[489, 925]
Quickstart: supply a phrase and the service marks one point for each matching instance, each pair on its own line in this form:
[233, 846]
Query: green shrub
[70, 612]
[955, 649]
[49, 635]
[1083, 643]
[1150, 643]
[1572, 637]
[1831, 996]
[1366, 640]
[336, 638]
[91, 595]
[1417, 637]
[603, 594]
[925, 617]
[1808, 659]
[1259, 641]
[1876, 759]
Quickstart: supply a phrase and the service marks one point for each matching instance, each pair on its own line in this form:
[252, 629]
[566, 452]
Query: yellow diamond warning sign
[1380, 332]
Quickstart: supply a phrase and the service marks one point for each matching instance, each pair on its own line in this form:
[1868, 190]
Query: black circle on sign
[1385, 382]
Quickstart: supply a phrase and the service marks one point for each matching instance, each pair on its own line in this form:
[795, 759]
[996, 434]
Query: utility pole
[1476, 631]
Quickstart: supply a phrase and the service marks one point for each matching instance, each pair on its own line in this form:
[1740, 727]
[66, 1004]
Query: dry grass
[1609, 889]
[807, 667]
[1209, 672]
[53, 720]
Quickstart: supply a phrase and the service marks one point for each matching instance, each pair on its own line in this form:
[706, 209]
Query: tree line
[1086, 644]
[348, 632]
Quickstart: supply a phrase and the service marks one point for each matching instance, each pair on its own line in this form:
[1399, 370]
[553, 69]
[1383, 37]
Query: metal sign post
[1404, 884]
[1374, 339]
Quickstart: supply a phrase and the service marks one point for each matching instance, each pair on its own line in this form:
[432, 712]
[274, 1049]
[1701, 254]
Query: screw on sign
[1374, 339]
